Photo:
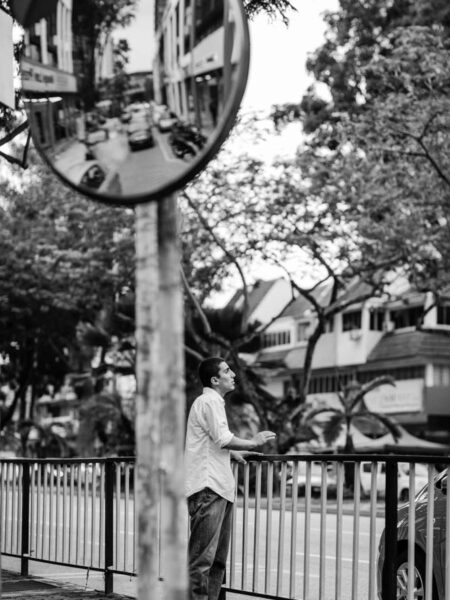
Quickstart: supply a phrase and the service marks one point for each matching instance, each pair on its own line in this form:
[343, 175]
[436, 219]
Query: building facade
[48, 79]
[377, 337]
[196, 59]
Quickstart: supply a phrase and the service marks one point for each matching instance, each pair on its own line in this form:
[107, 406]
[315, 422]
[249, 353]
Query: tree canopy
[65, 261]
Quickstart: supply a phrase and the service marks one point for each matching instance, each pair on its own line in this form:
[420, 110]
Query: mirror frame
[224, 126]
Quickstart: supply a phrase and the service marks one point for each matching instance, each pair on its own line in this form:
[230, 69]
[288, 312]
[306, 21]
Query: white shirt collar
[212, 392]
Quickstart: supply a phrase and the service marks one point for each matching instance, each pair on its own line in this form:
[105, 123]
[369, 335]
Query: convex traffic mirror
[127, 100]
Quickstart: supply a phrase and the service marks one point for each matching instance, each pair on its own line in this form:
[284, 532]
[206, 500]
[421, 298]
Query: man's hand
[240, 456]
[263, 437]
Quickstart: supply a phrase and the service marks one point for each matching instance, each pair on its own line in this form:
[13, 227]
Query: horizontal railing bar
[398, 458]
[71, 565]
[250, 593]
[56, 460]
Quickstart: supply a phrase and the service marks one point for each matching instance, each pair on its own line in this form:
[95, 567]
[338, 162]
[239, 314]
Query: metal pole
[147, 398]
[160, 403]
[389, 575]
[25, 549]
[172, 416]
[110, 534]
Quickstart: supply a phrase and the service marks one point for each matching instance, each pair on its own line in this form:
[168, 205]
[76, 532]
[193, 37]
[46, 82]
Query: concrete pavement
[30, 588]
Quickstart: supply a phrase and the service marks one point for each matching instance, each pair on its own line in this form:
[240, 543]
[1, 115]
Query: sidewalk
[32, 588]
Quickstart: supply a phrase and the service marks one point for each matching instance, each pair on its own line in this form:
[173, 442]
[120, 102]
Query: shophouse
[195, 59]
[53, 70]
[405, 335]
[48, 79]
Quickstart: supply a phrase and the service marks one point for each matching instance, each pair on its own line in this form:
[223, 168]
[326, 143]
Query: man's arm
[258, 440]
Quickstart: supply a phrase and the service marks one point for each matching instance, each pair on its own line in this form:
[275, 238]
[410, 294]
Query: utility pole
[160, 403]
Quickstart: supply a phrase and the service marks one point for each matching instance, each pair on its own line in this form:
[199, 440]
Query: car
[421, 500]
[166, 121]
[316, 479]
[140, 134]
[95, 176]
[421, 478]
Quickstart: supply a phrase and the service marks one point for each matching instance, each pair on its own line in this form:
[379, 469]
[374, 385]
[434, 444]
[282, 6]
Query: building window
[441, 375]
[276, 338]
[332, 383]
[351, 320]
[303, 332]
[443, 315]
[407, 317]
[376, 319]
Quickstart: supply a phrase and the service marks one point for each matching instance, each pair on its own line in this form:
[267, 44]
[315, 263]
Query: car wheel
[404, 495]
[419, 577]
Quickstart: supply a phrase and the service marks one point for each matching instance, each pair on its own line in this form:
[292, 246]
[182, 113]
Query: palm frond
[312, 414]
[390, 425]
[369, 386]
[341, 398]
[332, 428]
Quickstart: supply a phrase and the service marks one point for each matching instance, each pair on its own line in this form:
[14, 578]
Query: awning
[28, 12]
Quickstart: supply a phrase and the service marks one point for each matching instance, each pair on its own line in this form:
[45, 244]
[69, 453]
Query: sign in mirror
[128, 100]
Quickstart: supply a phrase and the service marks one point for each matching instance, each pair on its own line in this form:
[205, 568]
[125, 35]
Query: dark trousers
[210, 520]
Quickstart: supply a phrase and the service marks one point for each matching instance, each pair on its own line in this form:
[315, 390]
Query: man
[210, 485]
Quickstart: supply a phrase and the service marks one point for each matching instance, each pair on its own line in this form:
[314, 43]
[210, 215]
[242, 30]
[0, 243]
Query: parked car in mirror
[166, 121]
[140, 134]
[95, 176]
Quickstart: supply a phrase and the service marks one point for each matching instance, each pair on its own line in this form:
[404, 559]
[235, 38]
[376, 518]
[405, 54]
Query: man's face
[224, 381]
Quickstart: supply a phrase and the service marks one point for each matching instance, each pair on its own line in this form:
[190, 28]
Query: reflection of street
[139, 171]
[146, 169]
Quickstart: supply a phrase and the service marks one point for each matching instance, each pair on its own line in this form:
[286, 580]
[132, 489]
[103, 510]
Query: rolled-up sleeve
[217, 425]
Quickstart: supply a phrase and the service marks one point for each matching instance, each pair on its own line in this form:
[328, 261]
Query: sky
[278, 54]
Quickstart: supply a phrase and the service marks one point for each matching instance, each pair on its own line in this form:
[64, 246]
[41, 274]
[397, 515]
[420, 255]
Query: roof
[301, 305]
[272, 359]
[255, 296]
[419, 346]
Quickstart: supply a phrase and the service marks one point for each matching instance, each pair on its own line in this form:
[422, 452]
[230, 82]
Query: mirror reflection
[129, 98]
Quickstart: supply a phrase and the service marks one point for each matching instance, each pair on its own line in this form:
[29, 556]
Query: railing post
[109, 525]
[25, 546]
[389, 576]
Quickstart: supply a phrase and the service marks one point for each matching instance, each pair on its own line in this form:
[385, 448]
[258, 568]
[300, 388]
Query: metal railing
[70, 512]
[306, 527]
[310, 527]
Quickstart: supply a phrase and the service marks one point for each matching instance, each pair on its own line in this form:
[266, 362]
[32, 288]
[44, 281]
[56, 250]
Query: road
[140, 170]
[267, 569]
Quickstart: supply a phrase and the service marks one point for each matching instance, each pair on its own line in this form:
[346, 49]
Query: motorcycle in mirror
[128, 100]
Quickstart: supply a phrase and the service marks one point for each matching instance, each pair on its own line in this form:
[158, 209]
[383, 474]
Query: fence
[315, 527]
[71, 512]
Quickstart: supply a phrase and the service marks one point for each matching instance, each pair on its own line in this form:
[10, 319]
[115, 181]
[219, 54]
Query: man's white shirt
[207, 462]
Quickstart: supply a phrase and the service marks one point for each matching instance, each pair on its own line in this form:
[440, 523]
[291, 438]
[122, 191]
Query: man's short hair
[208, 368]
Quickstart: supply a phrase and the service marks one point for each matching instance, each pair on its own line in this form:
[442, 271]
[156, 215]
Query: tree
[64, 260]
[352, 410]
[385, 67]
[278, 213]
[93, 23]
[105, 428]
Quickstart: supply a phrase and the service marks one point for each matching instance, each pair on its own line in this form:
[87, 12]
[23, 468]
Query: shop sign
[38, 78]
[405, 397]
